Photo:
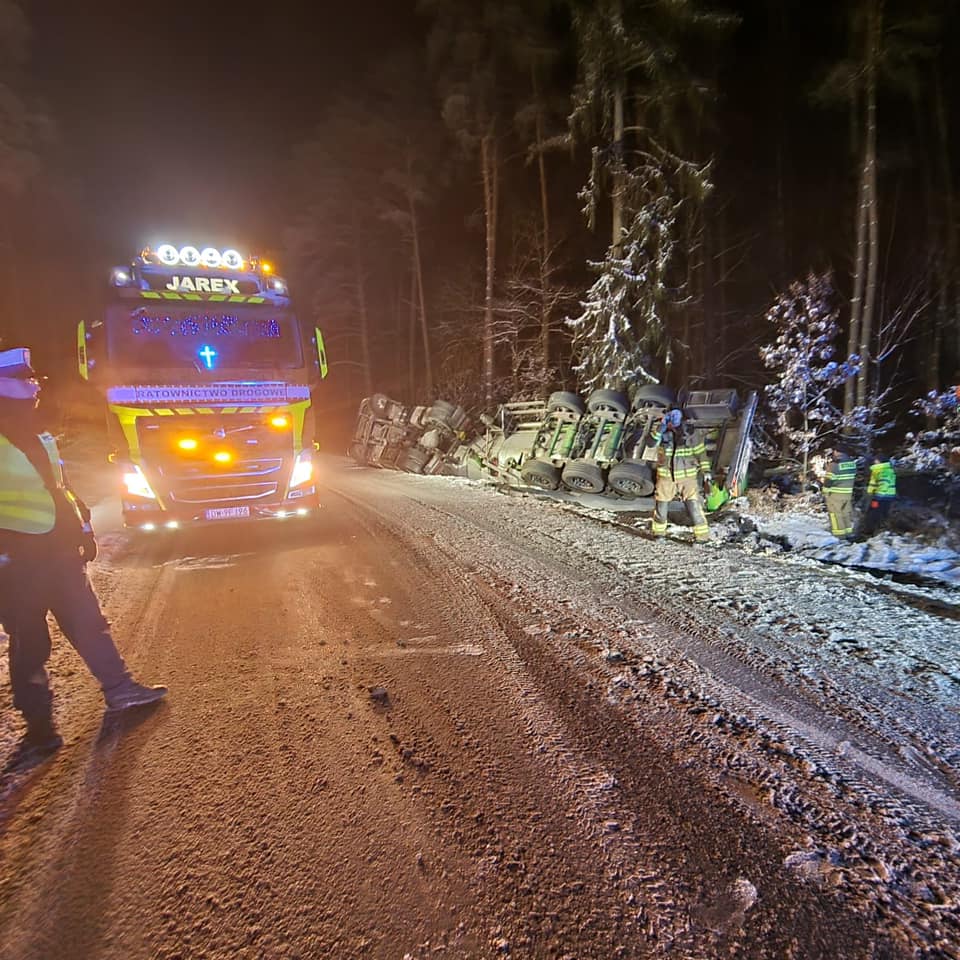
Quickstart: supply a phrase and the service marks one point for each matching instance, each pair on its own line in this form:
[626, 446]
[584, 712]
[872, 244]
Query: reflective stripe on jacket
[883, 480]
[840, 477]
[686, 460]
[26, 505]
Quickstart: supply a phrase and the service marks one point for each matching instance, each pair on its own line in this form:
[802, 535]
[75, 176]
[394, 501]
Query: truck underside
[601, 445]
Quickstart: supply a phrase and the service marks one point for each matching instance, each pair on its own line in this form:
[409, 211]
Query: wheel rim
[582, 483]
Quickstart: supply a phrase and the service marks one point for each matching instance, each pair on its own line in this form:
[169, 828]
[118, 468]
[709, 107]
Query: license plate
[227, 513]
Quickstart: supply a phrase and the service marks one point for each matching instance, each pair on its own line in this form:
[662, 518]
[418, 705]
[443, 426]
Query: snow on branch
[802, 357]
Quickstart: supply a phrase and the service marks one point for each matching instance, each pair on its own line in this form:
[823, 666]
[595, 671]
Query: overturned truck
[603, 445]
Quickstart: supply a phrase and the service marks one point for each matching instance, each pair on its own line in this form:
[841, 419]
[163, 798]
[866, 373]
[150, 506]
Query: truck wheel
[540, 473]
[608, 401]
[565, 402]
[631, 479]
[358, 453]
[654, 395]
[583, 476]
[445, 414]
[379, 403]
[415, 460]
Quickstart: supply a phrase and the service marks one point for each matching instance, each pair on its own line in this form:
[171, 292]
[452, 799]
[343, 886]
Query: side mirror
[321, 353]
[82, 364]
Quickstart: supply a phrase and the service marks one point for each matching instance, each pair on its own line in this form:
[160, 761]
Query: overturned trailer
[602, 445]
[413, 439]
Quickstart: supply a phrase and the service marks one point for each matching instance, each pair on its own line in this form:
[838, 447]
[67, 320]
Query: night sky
[177, 120]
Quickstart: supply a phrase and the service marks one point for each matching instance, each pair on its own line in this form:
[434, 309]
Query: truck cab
[208, 381]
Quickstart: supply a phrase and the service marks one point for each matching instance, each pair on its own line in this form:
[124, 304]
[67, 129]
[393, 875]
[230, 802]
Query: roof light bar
[190, 256]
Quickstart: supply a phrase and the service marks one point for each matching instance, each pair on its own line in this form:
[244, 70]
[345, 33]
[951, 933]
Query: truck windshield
[203, 336]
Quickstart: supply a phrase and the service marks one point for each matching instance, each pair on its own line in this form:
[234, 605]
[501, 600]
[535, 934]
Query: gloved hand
[88, 544]
[707, 481]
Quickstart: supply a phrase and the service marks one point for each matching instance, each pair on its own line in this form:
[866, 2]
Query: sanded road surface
[415, 728]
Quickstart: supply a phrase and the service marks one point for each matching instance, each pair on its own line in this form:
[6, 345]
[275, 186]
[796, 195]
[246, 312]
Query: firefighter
[838, 492]
[681, 462]
[45, 543]
[881, 493]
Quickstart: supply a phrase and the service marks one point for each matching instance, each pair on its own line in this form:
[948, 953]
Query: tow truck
[208, 382]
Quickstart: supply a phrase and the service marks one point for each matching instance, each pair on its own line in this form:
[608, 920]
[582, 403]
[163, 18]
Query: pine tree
[624, 325]
[635, 89]
[806, 328]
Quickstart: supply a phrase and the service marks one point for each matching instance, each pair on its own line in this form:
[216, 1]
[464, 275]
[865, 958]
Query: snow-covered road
[453, 721]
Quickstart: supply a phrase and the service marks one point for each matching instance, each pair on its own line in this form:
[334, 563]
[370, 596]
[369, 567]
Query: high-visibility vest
[883, 480]
[841, 476]
[26, 505]
[684, 460]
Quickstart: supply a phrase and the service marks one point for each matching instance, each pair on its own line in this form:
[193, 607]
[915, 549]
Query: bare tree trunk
[616, 198]
[779, 34]
[688, 355]
[490, 170]
[950, 277]
[708, 336]
[362, 319]
[412, 332]
[866, 322]
[360, 292]
[418, 272]
[722, 284]
[859, 281]
[545, 271]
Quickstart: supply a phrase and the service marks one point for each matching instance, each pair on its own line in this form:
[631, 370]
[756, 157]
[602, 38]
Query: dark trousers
[878, 509]
[49, 578]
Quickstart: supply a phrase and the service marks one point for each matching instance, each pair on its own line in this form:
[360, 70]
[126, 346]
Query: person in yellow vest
[838, 492]
[681, 463]
[881, 494]
[45, 543]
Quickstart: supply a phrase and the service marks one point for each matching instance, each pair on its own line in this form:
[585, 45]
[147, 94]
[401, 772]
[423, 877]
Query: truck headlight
[137, 485]
[302, 470]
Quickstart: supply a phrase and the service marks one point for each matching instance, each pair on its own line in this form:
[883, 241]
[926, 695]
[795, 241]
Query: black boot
[132, 694]
[39, 742]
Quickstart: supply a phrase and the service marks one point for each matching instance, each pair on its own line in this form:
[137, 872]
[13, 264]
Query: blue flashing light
[208, 355]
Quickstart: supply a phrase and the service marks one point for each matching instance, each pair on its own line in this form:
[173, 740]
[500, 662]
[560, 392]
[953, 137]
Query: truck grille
[246, 480]
[256, 471]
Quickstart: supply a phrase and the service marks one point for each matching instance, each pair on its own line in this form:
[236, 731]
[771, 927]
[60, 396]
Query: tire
[654, 395]
[608, 401]
[415, 459]
[358, 453]
[631, 479]
[379, 403]
[445, 414]
[565, 402]
[583, 476]
[540, 473]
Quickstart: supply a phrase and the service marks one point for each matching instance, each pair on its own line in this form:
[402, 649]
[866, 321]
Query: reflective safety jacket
[35, 502]
[841, 475]
[883, 481]
[682, 455]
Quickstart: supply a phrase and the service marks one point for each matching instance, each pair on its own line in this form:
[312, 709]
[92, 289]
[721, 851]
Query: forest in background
[565, 194]
[532, 194]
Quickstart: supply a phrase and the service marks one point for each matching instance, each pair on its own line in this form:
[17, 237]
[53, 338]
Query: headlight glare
[302, 470]
[137, 485]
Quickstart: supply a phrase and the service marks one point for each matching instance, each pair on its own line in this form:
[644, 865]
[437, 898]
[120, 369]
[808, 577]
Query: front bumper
[149, 515]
